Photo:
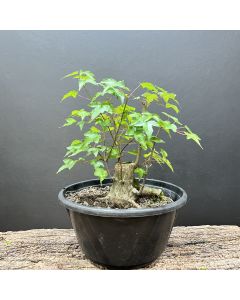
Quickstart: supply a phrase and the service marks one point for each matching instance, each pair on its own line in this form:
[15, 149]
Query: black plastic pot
[123, 238]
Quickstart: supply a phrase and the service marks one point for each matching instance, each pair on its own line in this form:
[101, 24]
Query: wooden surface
[195, 247]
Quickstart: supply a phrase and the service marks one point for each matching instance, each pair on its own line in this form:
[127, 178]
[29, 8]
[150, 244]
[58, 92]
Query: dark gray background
[201, 67]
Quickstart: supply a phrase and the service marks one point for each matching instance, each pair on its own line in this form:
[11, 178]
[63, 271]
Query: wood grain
[193, 247]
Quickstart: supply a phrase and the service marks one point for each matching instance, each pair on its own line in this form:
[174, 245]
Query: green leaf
[116, 92]
[168, 163]
[175, 100]
[72, 93]
[99, 170]
[149, 86]
[146, 155]
[114, 152]
[76, 147]
[150, 97]
[68, 164]
[162, 159]
[149, 144]
[139, 119]
[157, 140]
[104, 121]
[92, 136]
[127, 108]
[80, 113]
[93, 150]
[148, 127]
[172, 96]
[69, 121]
[165, 160]
[161, 89]
[94, 129]
[138, 131]
[166, 125]
[100, 108]
[81, 124]
[166, 96]
[157, 157]
[97, 163]
[85, 77]
[172, 106]
[76, 142]
[140, 138]
[112, 83]
[140, 172]
[101, 173]
[75, 73]
[192, 136]
[114, 87]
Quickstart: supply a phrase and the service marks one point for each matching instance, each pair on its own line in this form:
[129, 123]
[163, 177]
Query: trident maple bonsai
[119, 123]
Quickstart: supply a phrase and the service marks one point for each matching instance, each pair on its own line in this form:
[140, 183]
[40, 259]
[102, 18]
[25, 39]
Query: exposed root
[134, 204]
[151, 191]
[126, 203]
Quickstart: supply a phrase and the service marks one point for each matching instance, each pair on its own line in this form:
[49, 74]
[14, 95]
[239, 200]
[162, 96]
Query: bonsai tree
[122, 135]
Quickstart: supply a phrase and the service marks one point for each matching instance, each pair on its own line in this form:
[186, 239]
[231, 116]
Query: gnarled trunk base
[125, 190]
[122, 191]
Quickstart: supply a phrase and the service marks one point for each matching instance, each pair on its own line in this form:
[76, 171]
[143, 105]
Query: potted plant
[122, 219]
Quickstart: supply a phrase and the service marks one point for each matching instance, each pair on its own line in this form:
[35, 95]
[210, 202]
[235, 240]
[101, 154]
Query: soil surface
[94, 196]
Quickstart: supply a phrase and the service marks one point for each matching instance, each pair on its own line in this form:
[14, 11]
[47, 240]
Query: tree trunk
[122, 191]
[125, 189]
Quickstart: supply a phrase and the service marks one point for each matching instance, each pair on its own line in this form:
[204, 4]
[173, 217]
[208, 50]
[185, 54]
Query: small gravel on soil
[91, 196]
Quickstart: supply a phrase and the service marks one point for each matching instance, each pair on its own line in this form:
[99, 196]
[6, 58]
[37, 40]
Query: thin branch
[84, 97]
[149, 160]
[105, 162]
[114, 123]
[107, 167]
[107, 127]
[134, 91]
[181, 132]
[116, 134]
[87, 92]
[138, 155]
[129, 142]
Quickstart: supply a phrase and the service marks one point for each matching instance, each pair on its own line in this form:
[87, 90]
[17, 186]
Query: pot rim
[127, 212]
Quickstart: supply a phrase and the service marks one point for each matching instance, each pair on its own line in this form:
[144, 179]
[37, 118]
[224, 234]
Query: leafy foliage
[116, 128]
